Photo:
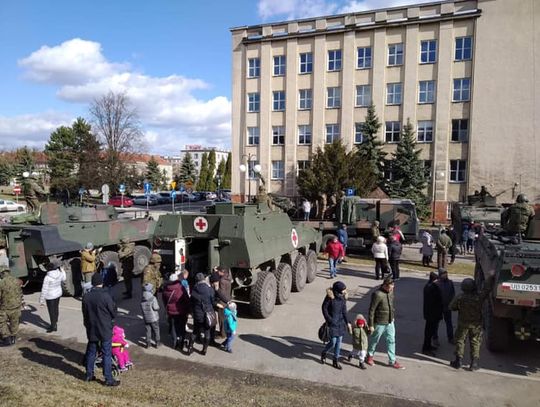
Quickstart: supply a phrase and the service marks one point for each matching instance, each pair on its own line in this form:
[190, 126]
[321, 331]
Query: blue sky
[172, 57]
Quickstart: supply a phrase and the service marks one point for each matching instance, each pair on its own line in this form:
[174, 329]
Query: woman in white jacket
[380, 254]
[51, 291]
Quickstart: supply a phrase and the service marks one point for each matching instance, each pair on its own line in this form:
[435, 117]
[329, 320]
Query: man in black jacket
[202, 302]
[99, 311]
[433, 310]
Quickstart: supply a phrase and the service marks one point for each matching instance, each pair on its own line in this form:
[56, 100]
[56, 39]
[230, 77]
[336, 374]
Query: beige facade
[197, 152]
[464, 73]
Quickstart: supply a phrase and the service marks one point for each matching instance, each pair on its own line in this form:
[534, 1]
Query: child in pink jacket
[119, 348]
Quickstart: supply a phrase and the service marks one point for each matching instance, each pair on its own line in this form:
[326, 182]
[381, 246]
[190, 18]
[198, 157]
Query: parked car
[210, 195]
[118, 200]
[186, 197]
[163, 198]
[141, 200]
[8, 206]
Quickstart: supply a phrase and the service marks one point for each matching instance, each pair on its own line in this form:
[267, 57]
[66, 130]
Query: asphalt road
[286, 345]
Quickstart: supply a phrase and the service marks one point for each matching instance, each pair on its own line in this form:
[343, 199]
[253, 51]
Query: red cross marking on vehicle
[294, 238]
[201, 225]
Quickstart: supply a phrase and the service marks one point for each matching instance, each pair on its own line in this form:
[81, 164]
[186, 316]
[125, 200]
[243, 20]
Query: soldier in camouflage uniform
[152, 273]
[126, 251]
[10, 306]
[515, 220]
[31, 192]
[469, 306]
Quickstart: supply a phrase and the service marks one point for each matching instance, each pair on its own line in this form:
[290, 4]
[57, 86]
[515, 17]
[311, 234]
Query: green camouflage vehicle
[513, 309]
[62, 231]
[268, 255]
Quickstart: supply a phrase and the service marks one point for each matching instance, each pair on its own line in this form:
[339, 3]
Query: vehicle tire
[498, 331]
[141, 258]
[72, 286]
[299, 273]
[284, 283]
[311, 259]
[107, 257]
[263, 294]
[326, 238]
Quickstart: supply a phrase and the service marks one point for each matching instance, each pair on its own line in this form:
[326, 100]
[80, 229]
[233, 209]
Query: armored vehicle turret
[62, 231]
[268, 255]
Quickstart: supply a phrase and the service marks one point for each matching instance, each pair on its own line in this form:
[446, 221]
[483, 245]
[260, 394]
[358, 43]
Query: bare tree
[117, 124]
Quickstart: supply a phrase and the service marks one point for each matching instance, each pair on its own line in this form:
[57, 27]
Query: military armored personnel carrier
[513, 308]
[268, 255]
[62, 231]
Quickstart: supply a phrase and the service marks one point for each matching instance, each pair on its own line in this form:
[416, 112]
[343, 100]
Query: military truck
[268, 255]
[62, 231]
[359, 213]
[513, 308]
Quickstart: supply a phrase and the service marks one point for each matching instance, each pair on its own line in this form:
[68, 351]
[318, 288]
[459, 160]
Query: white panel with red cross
[200, 223]
[294, 238]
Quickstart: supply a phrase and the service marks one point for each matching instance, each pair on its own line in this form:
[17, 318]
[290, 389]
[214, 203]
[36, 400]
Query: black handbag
[324, 333]
[210, 319]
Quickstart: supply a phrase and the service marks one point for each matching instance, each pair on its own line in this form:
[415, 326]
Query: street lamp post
[246, 169]
[440, 175]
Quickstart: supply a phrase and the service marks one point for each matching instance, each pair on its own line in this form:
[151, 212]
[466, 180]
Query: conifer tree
[202, 182]
[210, 183]
[153, 173]
[370, 151]
[188, 171]
[226, 183]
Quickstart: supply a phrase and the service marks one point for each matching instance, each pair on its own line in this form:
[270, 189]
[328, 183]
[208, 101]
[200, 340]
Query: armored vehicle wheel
[72, 285]
[311, 259]
[141, 258]
[284, 282]
[109, 256]
[263, 294]
[299, 273]
[498, 332]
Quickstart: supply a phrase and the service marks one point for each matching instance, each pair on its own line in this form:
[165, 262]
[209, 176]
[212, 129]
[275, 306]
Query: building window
[279, 100]
[253, 136]
[427, 169]
[304, 134]
[254, 68]
[304, 99]
[278, 170]
[196, 155]
[251, 169]
[254, 101]
[395, 54]
[388, 172]
[426, 92]
[334, 60]
[302, 165]
[392, 132]
[428, 52]
[332, 133]
[460, 130]
[393, 94]
[358, 133]
[279, 65]
[306, 62]
[463, 49]
[462, 89]
[333, 97]
[363, 95]
[425, 131]
[278, 135]
[457, 170]
[364, 58]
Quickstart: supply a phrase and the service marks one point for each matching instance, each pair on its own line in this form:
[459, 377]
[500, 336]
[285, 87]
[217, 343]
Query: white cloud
[292, 9]
[166, 105]
[32, 130]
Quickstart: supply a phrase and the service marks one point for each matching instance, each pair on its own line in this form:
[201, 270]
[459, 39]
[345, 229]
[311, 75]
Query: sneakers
[114, 383]
[362, 366]
[396, 365]
[370, 361]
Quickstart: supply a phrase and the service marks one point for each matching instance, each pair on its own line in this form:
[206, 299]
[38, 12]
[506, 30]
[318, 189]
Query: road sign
[173, 184]
[189, 184]
[122, 188]
[147, 187]
[182, 189]
[81, 191]
[16, 189]
[173, 194]
[349, 192]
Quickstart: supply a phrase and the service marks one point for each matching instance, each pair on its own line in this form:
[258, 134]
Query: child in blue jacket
[230, 326]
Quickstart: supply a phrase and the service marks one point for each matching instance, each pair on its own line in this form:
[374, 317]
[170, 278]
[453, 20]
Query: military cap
[155, 258]
[468, 285]
[522, 198]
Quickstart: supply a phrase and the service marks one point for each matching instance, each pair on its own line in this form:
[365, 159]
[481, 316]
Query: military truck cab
[267, 254]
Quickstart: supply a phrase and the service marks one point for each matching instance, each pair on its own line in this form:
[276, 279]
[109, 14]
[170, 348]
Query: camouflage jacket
[152, 275]
[469, 305]
[125, 250]
[10, 293]
[516, 218]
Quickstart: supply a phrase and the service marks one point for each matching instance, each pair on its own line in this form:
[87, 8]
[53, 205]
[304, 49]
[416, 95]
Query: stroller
[98, 364]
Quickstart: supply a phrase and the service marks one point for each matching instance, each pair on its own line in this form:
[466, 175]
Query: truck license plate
[521, 287]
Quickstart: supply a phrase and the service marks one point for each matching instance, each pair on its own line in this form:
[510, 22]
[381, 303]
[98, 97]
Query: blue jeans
[335, 343]
[91, 353]
[333, 266]
[228, 342]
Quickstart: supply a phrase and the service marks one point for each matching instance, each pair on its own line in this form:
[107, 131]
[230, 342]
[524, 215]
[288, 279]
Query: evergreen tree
[7, 171]
[370, 152]
[62, 157]
[88, 149]
[210, 183]
[332, 170]
[153, 173]
[204, 174]
[226, 183]
[24, 161]
[220, 172]
[408, 171]
[188, 171]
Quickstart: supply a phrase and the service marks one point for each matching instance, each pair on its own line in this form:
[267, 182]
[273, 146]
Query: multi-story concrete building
[197, 152]
[465, 72]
